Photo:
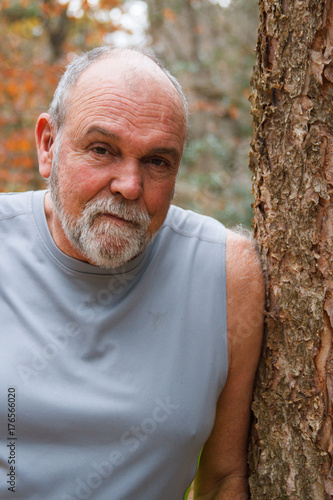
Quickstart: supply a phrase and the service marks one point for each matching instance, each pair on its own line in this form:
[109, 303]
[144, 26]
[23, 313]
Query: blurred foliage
[37, 40]
[210, 49]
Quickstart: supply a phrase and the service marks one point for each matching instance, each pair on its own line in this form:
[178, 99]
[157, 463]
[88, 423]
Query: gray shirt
[109, 379]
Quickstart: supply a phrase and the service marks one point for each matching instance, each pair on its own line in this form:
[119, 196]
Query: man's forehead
[114, 108]
[135, 72]
[138, 82]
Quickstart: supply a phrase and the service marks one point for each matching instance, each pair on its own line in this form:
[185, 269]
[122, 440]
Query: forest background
[209, 45]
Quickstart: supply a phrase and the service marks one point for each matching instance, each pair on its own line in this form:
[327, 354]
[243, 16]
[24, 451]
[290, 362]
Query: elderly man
[131, 328]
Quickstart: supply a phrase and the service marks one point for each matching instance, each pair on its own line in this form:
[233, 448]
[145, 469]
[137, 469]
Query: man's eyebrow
[95, 129]
[173, 152]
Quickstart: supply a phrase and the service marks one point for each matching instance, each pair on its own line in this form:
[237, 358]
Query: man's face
[104, 244]
[115, 166]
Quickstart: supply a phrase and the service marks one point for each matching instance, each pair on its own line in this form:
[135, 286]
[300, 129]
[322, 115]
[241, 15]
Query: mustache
[123, 209]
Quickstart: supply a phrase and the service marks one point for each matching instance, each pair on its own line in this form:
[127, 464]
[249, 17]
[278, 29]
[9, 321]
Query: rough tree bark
[292, 159]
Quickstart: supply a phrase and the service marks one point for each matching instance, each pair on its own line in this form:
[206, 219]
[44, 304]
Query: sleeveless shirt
[109, 378]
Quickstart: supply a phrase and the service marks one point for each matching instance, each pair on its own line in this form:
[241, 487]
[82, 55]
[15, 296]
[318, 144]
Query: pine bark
[291, 445]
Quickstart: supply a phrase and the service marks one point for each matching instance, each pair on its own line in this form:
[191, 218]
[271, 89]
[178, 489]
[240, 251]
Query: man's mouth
[112, 217]
[117, 219]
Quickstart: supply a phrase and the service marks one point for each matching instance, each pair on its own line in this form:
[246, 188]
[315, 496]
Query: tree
[292, 160]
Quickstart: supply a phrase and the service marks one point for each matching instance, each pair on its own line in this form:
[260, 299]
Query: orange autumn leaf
[11, 144]
[4, 175]
[169, 14]
[199, 29]
[234, 112]
[13, 89]
[26, 162]
[29, 85]
[24, 145]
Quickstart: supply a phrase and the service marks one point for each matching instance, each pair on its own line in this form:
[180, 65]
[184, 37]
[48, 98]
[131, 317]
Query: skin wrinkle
[136, 69]
[95, 132]
[130, 120]
[170, 100]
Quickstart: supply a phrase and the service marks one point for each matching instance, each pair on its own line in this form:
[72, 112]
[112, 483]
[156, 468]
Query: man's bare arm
[222, 473]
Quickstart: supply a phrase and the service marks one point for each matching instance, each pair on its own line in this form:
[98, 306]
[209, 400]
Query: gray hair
[60, 103]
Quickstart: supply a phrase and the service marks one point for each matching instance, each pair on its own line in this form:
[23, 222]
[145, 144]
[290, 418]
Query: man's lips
[113, 217]
[117, 219]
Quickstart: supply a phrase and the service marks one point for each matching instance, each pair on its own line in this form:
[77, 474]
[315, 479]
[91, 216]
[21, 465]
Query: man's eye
[159, 162]
[100, 150]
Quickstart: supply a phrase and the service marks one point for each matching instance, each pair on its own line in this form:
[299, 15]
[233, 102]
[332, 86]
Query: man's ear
[44, 140]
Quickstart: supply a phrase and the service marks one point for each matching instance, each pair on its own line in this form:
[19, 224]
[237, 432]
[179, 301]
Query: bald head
[136, 69]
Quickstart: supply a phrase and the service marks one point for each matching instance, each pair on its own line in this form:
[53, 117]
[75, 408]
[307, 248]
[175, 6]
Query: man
[118, 361]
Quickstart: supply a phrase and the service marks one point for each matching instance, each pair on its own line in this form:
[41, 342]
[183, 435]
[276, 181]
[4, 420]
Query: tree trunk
[291, 445]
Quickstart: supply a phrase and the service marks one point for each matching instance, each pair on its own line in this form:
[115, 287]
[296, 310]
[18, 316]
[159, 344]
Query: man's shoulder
[245, 290]
[193, 225]
[13, 204]
[242, 255]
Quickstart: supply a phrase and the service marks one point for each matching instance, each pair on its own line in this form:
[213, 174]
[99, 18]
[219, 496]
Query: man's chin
[108, 247]
[111, 257]
[109, 263]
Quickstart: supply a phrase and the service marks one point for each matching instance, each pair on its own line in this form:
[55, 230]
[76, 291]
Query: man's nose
[127, 179]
